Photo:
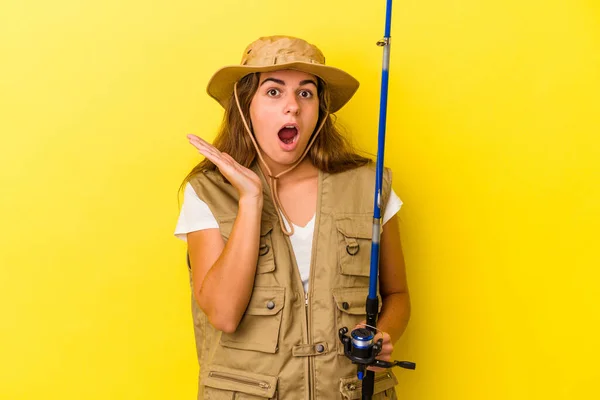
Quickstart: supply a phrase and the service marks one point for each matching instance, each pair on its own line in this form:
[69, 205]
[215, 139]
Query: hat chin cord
[273, 179]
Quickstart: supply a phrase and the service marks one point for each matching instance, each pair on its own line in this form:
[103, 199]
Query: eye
[273, 92]
[305, 94]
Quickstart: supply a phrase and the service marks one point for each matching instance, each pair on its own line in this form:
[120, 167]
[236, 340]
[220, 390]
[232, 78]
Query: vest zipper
[307, 314]
[309, 359]
[311, 279]
[240, 379]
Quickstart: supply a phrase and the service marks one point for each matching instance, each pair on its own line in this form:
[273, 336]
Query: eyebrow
[280, 82]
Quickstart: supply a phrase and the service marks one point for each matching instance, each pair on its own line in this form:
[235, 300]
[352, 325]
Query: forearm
[227, 286]
[394, 315]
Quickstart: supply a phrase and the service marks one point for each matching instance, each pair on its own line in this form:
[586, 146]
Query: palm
[243, 179]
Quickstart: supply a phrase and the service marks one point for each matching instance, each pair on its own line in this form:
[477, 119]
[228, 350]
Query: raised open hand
[246, 182]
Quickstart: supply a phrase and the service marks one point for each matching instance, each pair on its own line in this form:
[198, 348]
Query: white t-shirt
[196, 216]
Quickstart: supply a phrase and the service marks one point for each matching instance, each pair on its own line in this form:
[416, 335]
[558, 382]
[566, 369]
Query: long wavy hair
[331, 152]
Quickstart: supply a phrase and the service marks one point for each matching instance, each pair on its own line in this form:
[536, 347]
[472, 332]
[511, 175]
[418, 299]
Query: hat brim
[342, 85]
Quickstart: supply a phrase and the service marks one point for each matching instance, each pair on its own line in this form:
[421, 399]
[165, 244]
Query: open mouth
[288, 134]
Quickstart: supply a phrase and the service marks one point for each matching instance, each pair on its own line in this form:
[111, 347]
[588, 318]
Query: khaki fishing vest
[287, 345]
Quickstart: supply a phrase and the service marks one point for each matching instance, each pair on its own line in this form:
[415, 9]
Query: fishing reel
[361, 348]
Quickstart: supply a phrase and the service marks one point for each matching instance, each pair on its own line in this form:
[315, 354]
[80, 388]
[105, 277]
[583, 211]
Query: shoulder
[358, 184]
[206, 177]
[219, 195]
[363, 174]
[209, 181]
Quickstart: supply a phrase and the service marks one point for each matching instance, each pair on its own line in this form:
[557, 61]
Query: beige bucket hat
[274, 53]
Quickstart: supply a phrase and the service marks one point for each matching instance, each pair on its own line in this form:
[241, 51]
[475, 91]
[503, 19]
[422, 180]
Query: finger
[227, 156]
[387, 349]
[197, 138]
[249, 174]
[387, 340]
[198, 145]
[198, 142]
[206, 150]
[223, 165]
[201, 145]
[230, 159]
[383, 357]
[240, 168]
[230, 168]
[361, 324]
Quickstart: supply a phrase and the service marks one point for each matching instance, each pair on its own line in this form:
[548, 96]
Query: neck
[302, 170]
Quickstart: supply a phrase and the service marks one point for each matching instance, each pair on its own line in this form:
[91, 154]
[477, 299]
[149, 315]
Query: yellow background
[493, 135]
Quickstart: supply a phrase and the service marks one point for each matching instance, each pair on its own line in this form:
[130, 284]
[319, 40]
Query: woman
[278, 221]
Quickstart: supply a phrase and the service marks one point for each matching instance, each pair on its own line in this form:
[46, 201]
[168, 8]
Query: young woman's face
[284, 113]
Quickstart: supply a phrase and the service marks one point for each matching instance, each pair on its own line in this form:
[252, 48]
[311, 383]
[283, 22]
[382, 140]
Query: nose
[292, 106]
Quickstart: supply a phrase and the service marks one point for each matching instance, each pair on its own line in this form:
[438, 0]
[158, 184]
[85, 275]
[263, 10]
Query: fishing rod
[360, 346]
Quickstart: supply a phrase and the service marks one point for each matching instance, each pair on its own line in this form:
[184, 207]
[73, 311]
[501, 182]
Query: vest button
[320, 348]
[345, 305]
[270, 304]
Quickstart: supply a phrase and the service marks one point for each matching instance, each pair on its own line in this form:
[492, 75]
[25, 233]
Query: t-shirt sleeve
[393, 206]
[194, 215]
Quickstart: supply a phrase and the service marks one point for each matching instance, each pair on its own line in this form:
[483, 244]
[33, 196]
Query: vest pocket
[226, 383]
[354, 243]
[259, 328]
[266, 260]
[350, 388]
[350, 309]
